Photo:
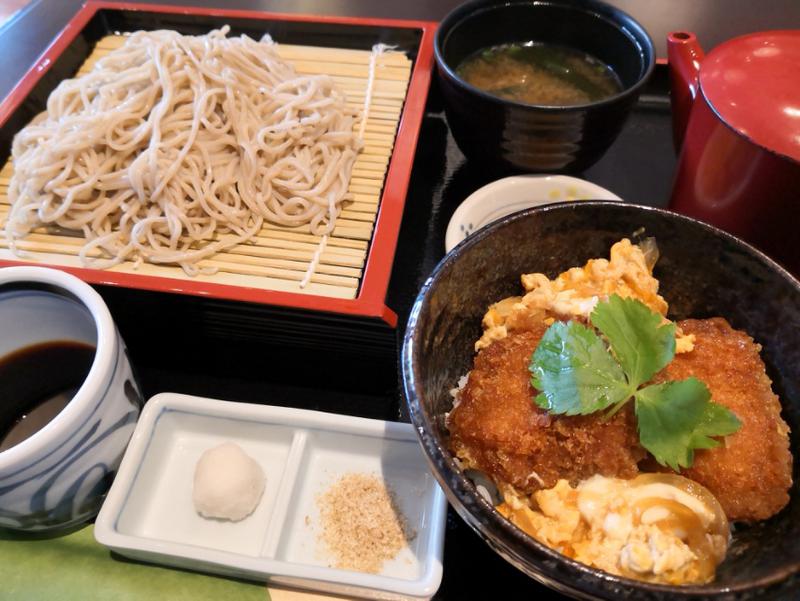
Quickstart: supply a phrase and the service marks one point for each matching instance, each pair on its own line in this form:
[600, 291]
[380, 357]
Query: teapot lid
[753, 83]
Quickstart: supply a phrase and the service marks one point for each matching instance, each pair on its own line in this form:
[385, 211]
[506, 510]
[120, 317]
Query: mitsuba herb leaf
[578, 374]
[575, 372]
[675, 418]
[642, 344]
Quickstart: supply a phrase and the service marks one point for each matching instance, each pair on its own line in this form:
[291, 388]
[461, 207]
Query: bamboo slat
[278, 257]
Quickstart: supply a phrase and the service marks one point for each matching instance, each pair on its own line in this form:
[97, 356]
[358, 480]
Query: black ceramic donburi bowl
[704, 272]
[535, 137]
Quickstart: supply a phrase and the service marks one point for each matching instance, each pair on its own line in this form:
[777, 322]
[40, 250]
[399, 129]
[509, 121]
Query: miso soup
[538, 73]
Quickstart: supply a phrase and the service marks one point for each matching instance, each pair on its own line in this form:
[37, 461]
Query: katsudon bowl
[703, 272]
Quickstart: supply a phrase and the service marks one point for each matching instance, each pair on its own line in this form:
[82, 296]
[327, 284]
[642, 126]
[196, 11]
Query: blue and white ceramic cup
[58, 477]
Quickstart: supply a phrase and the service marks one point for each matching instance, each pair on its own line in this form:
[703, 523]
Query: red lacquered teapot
[736, 121]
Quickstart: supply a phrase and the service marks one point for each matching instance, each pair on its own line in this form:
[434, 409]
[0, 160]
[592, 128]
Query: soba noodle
[176, 147]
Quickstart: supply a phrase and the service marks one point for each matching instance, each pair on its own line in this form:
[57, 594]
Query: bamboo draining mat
[277, 259]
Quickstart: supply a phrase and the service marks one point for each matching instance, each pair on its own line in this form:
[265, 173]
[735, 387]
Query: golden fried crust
[752, 472]
[498, 429]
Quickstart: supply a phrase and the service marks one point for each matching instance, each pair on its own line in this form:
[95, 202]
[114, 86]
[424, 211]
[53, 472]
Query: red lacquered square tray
[97, 19]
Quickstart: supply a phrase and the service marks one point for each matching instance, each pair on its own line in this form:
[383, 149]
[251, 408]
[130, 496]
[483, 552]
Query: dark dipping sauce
[36, 383]
[537, 73]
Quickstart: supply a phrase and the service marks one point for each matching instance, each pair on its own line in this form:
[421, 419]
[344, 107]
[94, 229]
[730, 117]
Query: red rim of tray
[371, 298]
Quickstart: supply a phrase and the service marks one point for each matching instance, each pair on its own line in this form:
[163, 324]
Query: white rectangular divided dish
[149, 513]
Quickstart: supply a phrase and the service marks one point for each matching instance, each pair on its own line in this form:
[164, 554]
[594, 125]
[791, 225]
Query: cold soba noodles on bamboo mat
[213, 153]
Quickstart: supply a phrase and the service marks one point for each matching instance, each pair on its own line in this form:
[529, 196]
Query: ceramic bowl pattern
[703, 272]
[511, 194]
[57, 478]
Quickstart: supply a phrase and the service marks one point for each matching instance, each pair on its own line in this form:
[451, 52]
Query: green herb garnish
[579, 373]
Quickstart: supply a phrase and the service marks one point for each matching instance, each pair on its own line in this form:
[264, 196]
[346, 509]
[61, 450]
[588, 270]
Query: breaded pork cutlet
[498, 429]
[751, 473]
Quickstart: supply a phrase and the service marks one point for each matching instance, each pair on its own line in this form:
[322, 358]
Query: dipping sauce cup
[56, 478]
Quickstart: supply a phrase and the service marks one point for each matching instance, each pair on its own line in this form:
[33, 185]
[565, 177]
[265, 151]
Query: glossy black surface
[549, 139]
[703, 273]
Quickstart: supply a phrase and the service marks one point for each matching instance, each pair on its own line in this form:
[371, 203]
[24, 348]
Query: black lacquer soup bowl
[530, 137]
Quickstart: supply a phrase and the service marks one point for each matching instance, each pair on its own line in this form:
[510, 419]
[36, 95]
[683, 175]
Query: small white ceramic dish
[149, 514]
[512, 194]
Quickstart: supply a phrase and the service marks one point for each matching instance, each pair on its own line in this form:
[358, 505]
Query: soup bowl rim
[476, 7]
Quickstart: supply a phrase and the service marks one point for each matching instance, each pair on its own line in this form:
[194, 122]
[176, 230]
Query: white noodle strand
[377, 51]
[173, 148]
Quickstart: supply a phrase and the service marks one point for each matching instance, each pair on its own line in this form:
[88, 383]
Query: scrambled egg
[661, 528]
[657, 527]
[574, 293]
